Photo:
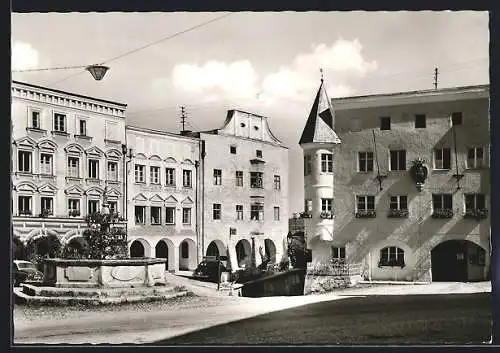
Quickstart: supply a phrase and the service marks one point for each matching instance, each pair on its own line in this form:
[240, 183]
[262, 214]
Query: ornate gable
[113, 154]
[74, 149]
[94, 152]
[170, 160]
[156, 198]
[171, 200]
[155, 157]
[74, 190]
[26, 186]
[187, 201]
[94, 191]
[187, 161]
[140, 156]
[25, 142]
[47, 189]
[140, 198]
[47, 145]
[113, 193]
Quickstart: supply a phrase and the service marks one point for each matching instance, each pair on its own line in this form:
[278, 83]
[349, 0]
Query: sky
[267, 63]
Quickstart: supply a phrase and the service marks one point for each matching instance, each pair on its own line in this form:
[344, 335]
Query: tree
[105, 241]
[298, 253]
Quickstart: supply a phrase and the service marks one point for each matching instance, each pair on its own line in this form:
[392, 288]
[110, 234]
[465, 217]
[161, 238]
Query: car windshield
[26, 265]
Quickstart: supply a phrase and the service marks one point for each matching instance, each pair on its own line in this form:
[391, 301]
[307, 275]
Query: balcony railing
[478, 214]
[366, 214]
[402, 213]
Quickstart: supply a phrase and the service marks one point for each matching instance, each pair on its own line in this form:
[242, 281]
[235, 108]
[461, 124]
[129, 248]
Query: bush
[18, 248]
[41, 247]
[77, 248]
[104, 241]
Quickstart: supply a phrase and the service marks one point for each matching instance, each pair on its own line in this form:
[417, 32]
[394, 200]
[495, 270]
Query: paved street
[404, 319]
[151, 322]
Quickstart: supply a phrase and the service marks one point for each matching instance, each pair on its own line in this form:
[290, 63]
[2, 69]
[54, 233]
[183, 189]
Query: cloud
[24, 56]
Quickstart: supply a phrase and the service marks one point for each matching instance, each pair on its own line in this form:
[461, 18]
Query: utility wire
[150, 44]
[52, 68]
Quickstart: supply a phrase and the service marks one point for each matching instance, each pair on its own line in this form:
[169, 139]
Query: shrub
[77, 248]
[18, 248]
[105, 241]
[41, 247]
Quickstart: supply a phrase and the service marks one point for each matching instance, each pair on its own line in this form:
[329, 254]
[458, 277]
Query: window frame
[454, 115]
[277, 182]
[155, 173]
[158, 221]
[57, 122]
[93, 202]
[400, 164]
[30, 161]
[387, 125]
[476, 165]
[366, 199]
[424, 125]
[186, 220]
[239, 178]
[276, 213]
[140, 173]
[239, 212]
[112, 175]
[442, 159]
[23, 211]
[51, 203]
[172, 176]
[43, 165]
[216, 212]
[73, 168]
[392, 256]
[217, 177]
[91, 161]
[170, 210]
[256, 180]
[326, 162]
[366, 160]
[187, 174]
[257, 208]
[143, 208]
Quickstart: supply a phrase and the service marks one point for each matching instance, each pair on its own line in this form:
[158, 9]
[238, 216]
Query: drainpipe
[196, 165]
[202, 177]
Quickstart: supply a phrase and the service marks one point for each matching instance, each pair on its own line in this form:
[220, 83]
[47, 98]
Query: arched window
[185, 250]
[392, 256]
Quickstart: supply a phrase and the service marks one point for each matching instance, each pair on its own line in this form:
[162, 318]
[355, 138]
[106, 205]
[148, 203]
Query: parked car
[25, 272]
[207, 270]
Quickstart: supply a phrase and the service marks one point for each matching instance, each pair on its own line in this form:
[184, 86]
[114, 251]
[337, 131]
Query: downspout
[196, 165]
[202, 176]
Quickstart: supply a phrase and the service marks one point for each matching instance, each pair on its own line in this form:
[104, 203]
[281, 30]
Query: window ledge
[60, 133]
[156, 224]
[109, 181]
[35, 129]
[83, 137]
[140, 183]
[114, 142]
[187, 187]
[441, 170]
[25, 174]
[170, 224]
[93, 180]
[73, 178]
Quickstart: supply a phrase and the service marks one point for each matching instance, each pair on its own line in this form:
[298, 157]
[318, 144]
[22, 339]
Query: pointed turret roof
[319, 125]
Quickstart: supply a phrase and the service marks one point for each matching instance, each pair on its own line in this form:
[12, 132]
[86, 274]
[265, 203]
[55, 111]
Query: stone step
[23, 298]
[55, 292]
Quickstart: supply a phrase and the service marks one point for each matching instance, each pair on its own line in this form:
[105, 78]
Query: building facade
[411, 185]
[245, 191]
[162, 197]
[67, 154]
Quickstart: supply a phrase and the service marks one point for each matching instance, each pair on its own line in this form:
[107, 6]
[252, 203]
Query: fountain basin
[112, 273]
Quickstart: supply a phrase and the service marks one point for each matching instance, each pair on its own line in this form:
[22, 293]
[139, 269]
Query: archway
[243, 253]
[457, 261]
[161, 251]
[187, 255]
[137, 249]
[18, 248]
[270, 250]
[216, 247]
[76, 247]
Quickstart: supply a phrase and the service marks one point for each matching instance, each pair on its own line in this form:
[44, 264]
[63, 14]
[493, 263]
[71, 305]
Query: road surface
[402, 319]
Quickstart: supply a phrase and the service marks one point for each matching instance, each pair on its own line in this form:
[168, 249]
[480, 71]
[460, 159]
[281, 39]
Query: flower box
[305, 215]
[326, 215]
[398, 213]
[442, 213]
[25, 213]
[74, 213]
[366, 214]
[391, 263]
[476, 214]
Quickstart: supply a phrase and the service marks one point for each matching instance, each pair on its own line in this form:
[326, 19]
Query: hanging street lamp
[97, 71]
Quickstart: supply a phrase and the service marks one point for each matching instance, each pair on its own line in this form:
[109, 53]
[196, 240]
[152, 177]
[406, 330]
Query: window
[365, 161]
[186, 178]
[232, 149]
[113, 171]
[327, 163]
[184, 250]
[385, 123]
[73, 167]
[475, 202]
[398, 202]
[46, 164]
[35, 119]
[217, 177]
[154, 175]
[140, 214]
[475, 157]
[256, 180]
[442, 158]
[366, 203]
[140, 171]
[239, 212]
[239, 178]
[398, 160]
[24, 205]
[276, 213]
[307, 164]
[93, 206]
[326, 205]
[216, 211]
[257, 212]
[392, 256]
[420, 121]
[83, 127]
[155, 215]
[277, 182]
[442, 201]
[456, 118]
[258, 153]
[113, 206]
[170, 176]
[24, 161]
[74, 206]
[47, 205]
[338, 254]
[186, 216]
[93, 169]
[170, 215]
[59, 122]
